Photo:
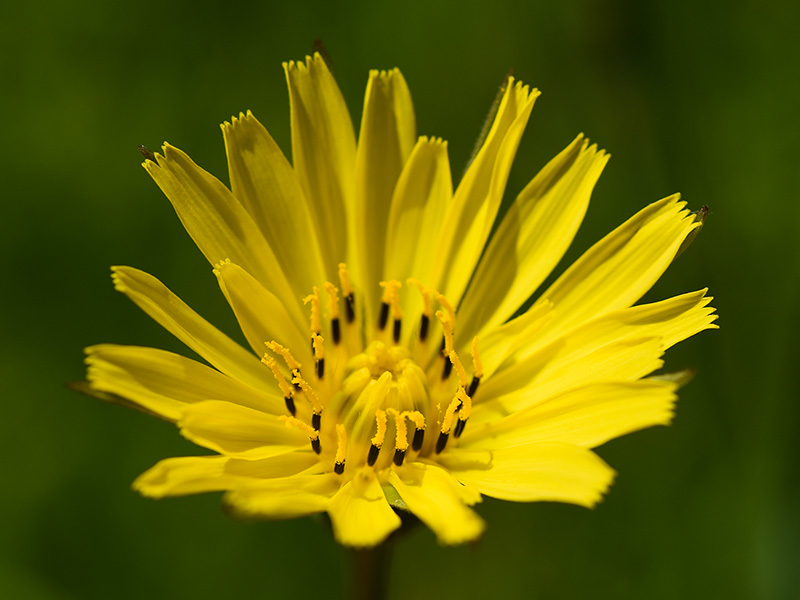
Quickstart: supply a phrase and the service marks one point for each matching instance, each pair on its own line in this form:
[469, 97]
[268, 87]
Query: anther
[441, 442]
[333, 307]
[464, 412]
[347, 292]
[399, 456]
[447, 422]
[380, 435]
[423, 327]
[396, 331]
[477, 365]
[427, 311]
[419, 428]
[285, 387]
[384, 316]
[341, 449]
[316, 407]
[285, 354]
[401, 435]
[312, 433]
[319, 355]
[447, 326]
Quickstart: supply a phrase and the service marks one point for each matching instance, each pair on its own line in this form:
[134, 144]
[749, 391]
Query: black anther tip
[336, 330]
[423, 328]
[459, 428]
[320, 368]
[350, 306]
[384, 316]
[419, 437]
[290, 404]
[448, 368]
[316, 446]
[396, 332]
[441, 442]
[338, 468]
[316, 420]
[473, 386]
[373, 454]
[399, 455]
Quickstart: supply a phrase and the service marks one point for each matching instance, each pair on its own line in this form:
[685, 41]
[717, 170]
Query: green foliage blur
[687, 96]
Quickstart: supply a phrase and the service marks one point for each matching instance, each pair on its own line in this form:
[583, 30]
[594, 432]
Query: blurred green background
[687, 96]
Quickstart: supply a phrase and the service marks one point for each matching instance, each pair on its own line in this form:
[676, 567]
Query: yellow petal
[262, 316]
[284, 497]
[606, 347]
[163, 382]
[620, 268]
[532, 237]
[175, 316]
[439, 501]
[216, 220]
[477, 199]
[283, 465]
[266, 185]
[587, 416]
[360, 514]
[420, 200]
[388, 133]
[540, 471]
[323, 152]
[185, 475]
[237, 431]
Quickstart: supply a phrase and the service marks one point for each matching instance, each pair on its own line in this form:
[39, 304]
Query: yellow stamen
[466, 404]
[319, 351]
[312, 433]
[273, 365]
[344, 279]
[391, 297]
[447, 325]
[333, 299]
[462, 374]
[285, 354]
[380, 435]
[312, 397]
[451, 312]
[401, 437]
[426, 296]
[447, 421]
[477, 364]
[316, 324]
[341, 448]
[415, 417]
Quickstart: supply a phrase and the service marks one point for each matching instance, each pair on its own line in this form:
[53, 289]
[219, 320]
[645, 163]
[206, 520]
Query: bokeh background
[687, 96]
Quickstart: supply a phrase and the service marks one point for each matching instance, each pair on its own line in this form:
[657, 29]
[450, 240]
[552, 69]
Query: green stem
[370, 572]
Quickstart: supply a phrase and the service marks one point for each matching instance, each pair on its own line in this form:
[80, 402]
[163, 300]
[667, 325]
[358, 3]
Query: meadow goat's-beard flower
[389, 369]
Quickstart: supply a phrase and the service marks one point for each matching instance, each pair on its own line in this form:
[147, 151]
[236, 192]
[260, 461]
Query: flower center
[372, 406]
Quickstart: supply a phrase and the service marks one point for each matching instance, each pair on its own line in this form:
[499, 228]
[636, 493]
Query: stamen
[285, 387]
[347, 292]
[451, 312]
[333, 307]
[427, 311]
[390, 299]
[447, 325]
[419, 424]
[377, 441]
[319, 355]
[316, 407]
[316, 324]
[401, 436]
[341, 449]
[464, 412]
[477, 365]
[384, 316]
[462, 374]
[285, 354]
[447, 423]
[313, 434]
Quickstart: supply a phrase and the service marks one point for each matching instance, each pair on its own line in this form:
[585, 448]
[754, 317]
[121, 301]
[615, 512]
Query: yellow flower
[388, 370]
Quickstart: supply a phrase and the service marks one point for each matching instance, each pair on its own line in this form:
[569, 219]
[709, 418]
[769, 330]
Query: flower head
[390, 369]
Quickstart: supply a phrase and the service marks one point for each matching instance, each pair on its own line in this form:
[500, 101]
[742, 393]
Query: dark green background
[687, 96]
